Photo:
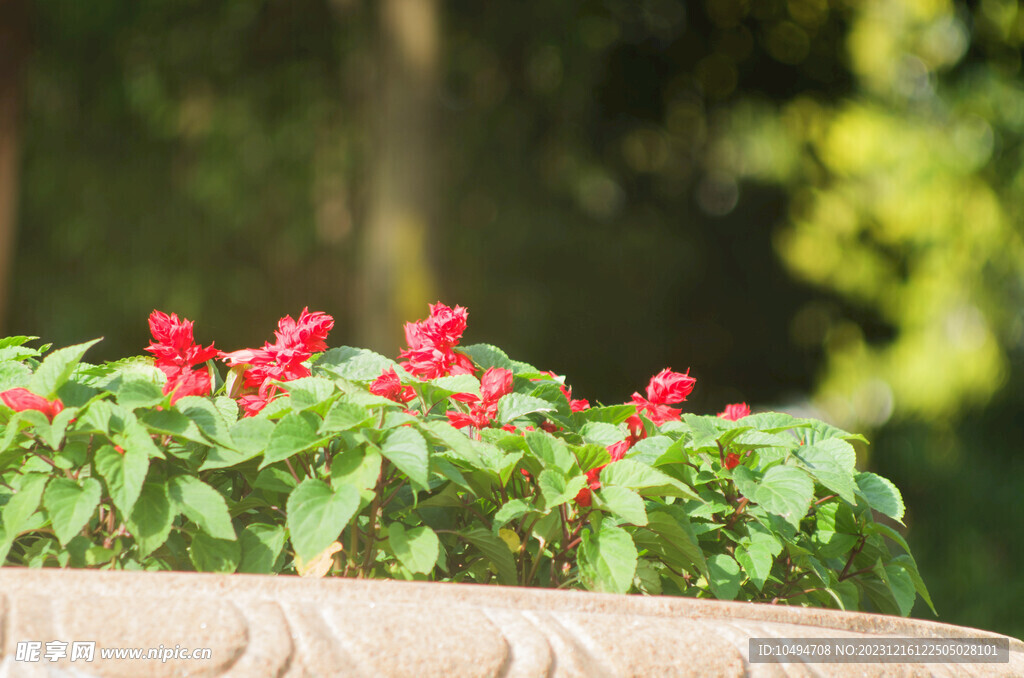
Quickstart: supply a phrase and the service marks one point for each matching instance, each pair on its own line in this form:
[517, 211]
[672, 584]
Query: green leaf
[725, 577]
[773, 422]
[405, 448]
[881, 495]
[787, 492]
[210, 554]
[557, 489]
[511, 510]
[71, 505]
[295, 433]
[515, 405]
[317, 515]
[705, 430]
[746, 482]
[207, 416]
[123, 473]
[201, 504]
[151, 518]
[357, 468]
[591, 456]
[136, 390]
[344, 416]
[13, 375]
[901, 586]
[830, 462]
[261, 545]
[650, 481]
[457, 383]
[613, 414]
[493, 549]
[23, 504]
[309, 392]
[608, 559]
[624, 503]
[56, 369]
[172, 422]
[358, 364]
[417, 548]
[649, 450]
[487, 356]
[907, 563]
[756, 560]
[251, 435]
[601, 433]
[553, 452]
[675, 536]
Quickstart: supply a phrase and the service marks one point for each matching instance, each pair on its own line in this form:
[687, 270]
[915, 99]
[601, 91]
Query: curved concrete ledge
[286, 626]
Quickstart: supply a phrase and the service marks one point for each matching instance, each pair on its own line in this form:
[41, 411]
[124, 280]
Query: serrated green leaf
[906, 561]
[515, 405]
[623, 503]
[296, 432]
[649, 450]
[495, 550]
[674, 538]
[23, 504]
[601, 433]
[757, 561]
[209, 554]
[56, 369]
[317, 514]
[787, 492]
[591, 456]
[358, 364]
[608, 559]
[406, 449]
[201, 504]
[746, 482]
[557, 489]
[509, 511]
[13, 375]
[70, 505]
[553, 452]
[487, 356]
[172, 422]
[137, 390]
[261, 545]
[881, 495]
[612, 414]
[124, 474]
[725, 577]
[309, 392]
[649, 481]
[207, 416]
[830, 462]
[151, 518]
[416, 548]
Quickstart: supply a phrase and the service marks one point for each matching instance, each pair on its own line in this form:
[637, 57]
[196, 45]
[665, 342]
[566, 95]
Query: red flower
[583, 497]
[175, 353]
[389, 386]
[21, 399]
[295, 342]
[732, 460]
[665, 388]
[495, 383]
[618, 450]
[431, 341]
[735, 412]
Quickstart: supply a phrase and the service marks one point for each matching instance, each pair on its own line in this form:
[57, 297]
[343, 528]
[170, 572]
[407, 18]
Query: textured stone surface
[285, 626]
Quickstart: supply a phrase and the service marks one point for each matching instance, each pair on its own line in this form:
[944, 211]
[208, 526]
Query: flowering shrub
[454, 463]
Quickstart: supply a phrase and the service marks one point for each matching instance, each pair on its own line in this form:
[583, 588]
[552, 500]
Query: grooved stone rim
[287, 626]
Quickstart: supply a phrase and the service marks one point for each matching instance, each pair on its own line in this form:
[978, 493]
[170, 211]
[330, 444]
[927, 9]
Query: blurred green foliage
[806, 201]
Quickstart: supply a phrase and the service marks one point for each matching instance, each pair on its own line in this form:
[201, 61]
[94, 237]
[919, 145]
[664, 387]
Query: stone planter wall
[286, 626]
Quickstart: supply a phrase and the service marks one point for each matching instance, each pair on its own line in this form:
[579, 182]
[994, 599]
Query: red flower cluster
[21, 399]
[432, 341]
[389, 386]
[295, 341]
[176, 354]
[735, 412]
[665, 388]
[495, 383]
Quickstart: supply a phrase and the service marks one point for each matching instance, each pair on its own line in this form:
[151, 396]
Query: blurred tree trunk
[397, 280]
[13, 51]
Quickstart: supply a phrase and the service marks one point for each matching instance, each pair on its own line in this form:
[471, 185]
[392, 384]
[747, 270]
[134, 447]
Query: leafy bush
[456, 464]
